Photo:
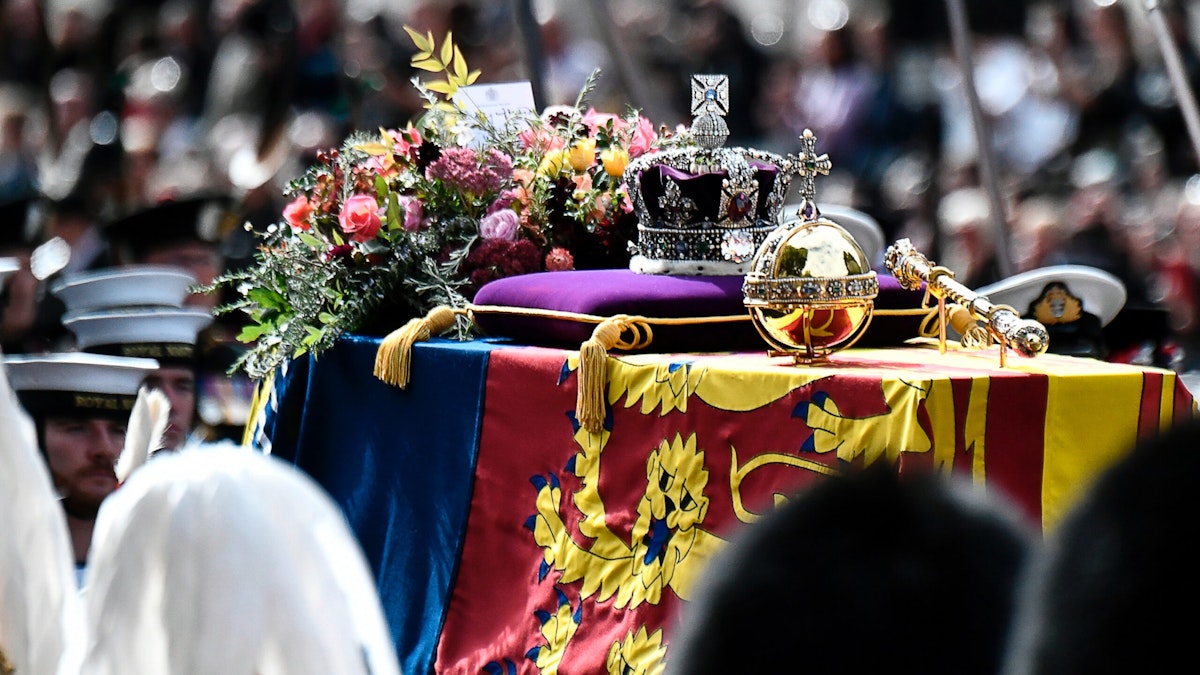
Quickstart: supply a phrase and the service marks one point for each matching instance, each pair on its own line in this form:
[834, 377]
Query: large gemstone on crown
[739, 206]
[810, 290]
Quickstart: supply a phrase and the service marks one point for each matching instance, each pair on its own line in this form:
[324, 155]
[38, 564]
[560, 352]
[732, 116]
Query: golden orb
[810, 290]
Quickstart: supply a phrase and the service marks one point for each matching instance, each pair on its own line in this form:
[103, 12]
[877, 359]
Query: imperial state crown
[704, 209]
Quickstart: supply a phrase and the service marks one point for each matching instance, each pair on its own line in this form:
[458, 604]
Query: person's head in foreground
[1116, 584]
[80, 404]
[225, 560]
[870, 572]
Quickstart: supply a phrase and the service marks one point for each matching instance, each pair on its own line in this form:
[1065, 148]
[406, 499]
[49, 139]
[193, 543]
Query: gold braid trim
[6, 667]
[609, 334]
[622, 331]
[393, 360]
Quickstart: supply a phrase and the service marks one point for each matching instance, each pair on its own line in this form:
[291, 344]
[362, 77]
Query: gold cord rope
[393, 360]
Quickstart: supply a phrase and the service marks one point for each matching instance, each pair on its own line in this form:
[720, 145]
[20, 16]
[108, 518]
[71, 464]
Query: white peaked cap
[78, 372]
[135, 326]
[40, 614]
[129, 286]
[7, 267]
[225, 560]
[1102, 293]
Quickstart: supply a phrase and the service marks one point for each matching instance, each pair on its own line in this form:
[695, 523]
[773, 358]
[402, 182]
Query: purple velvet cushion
[621, 291]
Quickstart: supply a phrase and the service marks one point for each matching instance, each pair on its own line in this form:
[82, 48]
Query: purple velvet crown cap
[704, 191]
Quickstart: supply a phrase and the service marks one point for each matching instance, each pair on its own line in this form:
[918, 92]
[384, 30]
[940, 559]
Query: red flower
[559, 259]
[495, 259]
[359, 217]
[296, 213]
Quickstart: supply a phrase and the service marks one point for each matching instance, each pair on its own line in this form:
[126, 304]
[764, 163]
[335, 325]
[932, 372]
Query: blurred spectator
[968, 237]
[132, 103]
[864, 573]
[833, 96]
[569, 62]
[1037, 231]
[1179, 280]
[1106, 594]
[18, 156]
[19, 293]
[1097, 237]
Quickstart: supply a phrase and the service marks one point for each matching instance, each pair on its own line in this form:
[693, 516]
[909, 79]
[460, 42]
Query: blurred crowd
[108, 106]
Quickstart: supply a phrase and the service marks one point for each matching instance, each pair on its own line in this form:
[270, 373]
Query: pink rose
[382, 165]
[414, 215]
[504, 201]
[359, 217]
[406, 142]
[583, 183]
[597, 120]
[644, 137]
[541, 139]
[500, 225]
[296, 213]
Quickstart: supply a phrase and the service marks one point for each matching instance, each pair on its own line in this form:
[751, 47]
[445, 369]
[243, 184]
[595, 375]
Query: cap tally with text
[77, 384]
[163, 333]
[126, 286]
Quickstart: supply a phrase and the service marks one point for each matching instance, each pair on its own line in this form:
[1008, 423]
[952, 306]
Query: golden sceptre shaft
[911, 267]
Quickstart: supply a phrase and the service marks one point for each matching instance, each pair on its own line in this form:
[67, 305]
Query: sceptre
[1003, 323]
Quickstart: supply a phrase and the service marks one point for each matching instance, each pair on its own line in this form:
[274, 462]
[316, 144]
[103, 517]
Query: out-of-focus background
[107, 106]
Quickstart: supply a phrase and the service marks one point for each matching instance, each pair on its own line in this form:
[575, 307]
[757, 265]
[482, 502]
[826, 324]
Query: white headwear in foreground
[219, 561]
[39, 611]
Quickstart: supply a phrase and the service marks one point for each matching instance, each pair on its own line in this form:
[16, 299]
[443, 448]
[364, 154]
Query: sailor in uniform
[193, 233]
[80, 404]
[39, 608]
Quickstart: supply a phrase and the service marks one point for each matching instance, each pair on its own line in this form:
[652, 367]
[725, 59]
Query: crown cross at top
[710, 94]
[710, 104]
[808, 165]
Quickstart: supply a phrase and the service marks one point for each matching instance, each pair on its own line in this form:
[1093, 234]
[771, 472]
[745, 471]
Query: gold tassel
[393, 361]
[973, 335]
[593, 372]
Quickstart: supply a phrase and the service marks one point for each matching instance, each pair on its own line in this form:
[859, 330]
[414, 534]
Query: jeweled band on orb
[792, 291]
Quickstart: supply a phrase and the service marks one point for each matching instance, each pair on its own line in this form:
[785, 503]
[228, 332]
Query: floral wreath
[399, 221]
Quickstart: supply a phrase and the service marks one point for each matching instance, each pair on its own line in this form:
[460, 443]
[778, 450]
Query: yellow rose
[582, 154]
[553, 163]
[614, 160]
